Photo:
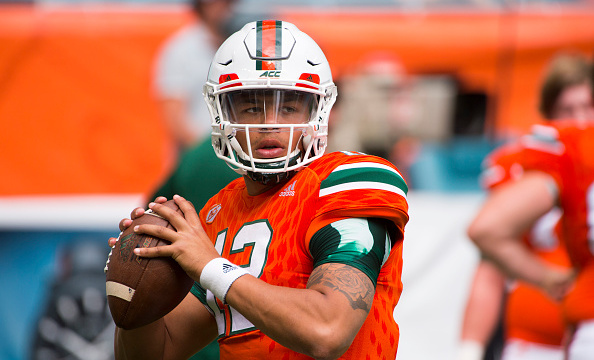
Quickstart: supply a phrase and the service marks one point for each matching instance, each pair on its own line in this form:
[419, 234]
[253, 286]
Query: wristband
[218, 276]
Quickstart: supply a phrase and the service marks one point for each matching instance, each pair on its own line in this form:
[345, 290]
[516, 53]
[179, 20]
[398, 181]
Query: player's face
[265, 115]
[575, 102]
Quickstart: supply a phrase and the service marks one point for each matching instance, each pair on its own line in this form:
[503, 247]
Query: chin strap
[270, 179]
[273, 178]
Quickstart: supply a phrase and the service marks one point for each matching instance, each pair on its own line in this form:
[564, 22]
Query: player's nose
[270, 116]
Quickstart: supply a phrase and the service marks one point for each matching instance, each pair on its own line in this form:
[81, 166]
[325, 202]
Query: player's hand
[558, 282]
[125, 223]
[190, 246]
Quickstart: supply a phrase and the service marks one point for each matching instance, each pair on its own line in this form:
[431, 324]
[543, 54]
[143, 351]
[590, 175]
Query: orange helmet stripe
[268, 44]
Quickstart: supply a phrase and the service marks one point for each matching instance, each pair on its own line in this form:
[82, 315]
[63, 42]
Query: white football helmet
[270, 63]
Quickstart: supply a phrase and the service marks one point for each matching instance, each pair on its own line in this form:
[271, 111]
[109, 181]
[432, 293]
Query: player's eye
[289, 109]
[254, 110]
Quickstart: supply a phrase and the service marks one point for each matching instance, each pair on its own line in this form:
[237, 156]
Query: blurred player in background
[311, 243]
[181, 67]
[533, 324]
[566, 181]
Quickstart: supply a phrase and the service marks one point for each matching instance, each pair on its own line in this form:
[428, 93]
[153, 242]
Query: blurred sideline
[37, 232]
[66, 212]
[439, 261]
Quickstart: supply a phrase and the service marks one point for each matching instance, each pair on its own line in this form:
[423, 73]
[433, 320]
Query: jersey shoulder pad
[359, 186]
[543, 138]
[506, 163]
[344, 171]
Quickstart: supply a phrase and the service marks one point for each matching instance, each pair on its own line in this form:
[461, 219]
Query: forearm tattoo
[352, 283]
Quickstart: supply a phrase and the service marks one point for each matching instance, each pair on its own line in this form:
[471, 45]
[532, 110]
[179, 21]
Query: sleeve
[200, 293]
[358, 242]
[500, 166]
[543, 151]
[539, 150]
[363, 187]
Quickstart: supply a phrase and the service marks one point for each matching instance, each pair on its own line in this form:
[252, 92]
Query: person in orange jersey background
[533, 324]
[567, 181]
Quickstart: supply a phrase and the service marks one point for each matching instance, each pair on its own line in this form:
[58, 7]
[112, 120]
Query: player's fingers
[156, 251]
[136, 213]
[188, 209]
[124, 224]
[112, 241]
[160, 199]
[176, 219]
[158, 231]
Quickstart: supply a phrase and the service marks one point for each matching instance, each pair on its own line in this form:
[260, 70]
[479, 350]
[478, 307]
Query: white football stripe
[366, 165]
[361, 185]
[119, 290]
[151, 212]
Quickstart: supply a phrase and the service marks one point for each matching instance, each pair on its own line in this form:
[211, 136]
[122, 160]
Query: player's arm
[482, 311]
[509, 211]
[181, 333]
[322, 320]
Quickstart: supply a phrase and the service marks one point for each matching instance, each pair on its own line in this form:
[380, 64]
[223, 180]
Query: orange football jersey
[577, 200]
[530, 314]
[572, 164]
[269, 235]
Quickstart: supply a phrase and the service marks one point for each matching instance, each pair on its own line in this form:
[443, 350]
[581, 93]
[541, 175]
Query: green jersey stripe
[365, 172]
[361, 175]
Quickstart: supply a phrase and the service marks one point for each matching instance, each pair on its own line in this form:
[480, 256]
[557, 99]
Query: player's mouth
[269, 149]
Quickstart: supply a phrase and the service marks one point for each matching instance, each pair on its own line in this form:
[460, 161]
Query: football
[142, 290]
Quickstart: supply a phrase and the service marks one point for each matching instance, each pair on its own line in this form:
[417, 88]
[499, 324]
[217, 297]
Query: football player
[533, 324]
[302, 256]
[567, 181]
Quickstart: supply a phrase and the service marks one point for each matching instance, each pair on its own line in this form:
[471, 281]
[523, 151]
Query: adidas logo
[289, 190]
[227, 268]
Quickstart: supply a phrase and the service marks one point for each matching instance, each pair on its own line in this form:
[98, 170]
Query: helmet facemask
[280, 113]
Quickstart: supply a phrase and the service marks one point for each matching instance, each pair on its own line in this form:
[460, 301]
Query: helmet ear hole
[320, 146]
